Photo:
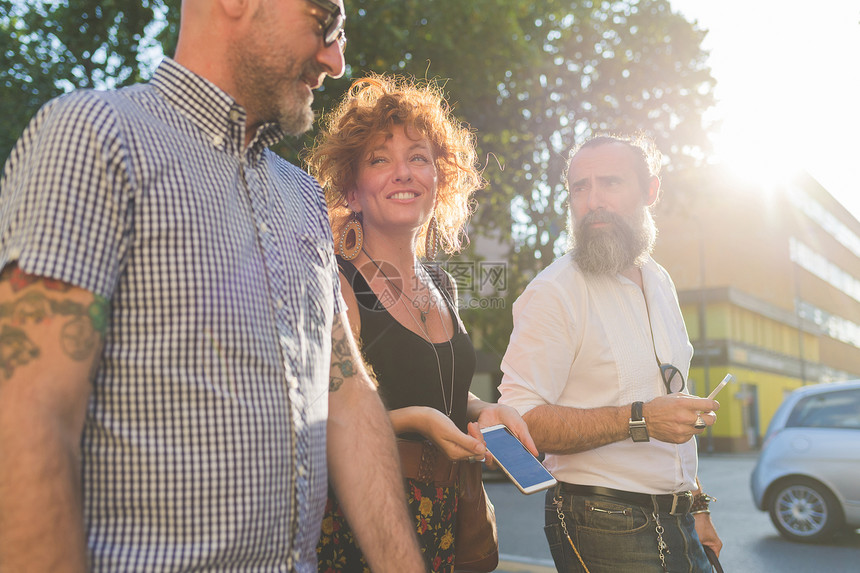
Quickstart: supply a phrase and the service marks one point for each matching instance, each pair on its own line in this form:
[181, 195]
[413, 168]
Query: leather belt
[423, 461]
[671, 503]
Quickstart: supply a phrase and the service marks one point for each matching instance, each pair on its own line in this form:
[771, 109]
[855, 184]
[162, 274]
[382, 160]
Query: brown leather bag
[477, 549]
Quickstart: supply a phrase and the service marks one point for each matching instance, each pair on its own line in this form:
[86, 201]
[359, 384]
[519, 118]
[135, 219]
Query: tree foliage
[534, 77]
[531, 77]
[49, 47]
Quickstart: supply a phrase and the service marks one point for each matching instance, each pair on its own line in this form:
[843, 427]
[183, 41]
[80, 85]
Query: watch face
[638, 431]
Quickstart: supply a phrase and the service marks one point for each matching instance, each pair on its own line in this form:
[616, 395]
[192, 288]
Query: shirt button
[217, 141]
[264, 228]
[234, 115]
[302, 471]
[279, 304]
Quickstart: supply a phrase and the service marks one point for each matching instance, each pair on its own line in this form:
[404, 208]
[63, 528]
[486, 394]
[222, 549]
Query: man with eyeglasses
[596, 366]
[178, 381]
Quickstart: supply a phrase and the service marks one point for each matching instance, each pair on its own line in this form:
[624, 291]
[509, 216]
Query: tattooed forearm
[346, 360]
[342, 359]
[37, 306]
[347, 367]
[82, 330]
[19, 280]
[15, 349]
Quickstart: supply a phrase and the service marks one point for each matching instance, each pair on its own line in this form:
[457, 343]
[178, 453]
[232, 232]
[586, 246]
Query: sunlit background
[788, 88]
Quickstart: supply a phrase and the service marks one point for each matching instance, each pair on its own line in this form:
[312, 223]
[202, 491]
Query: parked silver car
[808, 473]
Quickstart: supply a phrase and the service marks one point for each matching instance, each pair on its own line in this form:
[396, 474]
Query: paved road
[752, 545]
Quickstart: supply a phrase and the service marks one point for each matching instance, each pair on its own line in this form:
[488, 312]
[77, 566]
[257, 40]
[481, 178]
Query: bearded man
[597, 365]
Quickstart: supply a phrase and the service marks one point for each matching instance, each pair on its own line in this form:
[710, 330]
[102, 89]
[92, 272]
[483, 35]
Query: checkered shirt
[204, 441]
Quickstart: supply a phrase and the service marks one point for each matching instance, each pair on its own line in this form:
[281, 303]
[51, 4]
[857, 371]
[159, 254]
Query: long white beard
[614, 248]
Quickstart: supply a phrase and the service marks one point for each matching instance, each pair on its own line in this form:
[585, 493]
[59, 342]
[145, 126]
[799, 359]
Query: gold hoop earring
[431, 240]
[350, 246]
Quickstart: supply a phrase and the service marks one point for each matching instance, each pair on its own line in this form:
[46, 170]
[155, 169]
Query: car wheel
[803, 510]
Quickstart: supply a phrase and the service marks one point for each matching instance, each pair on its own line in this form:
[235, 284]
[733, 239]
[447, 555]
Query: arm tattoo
[15, 349]
[334, 383]
[80, 335]
[341, 357]
[19, 280]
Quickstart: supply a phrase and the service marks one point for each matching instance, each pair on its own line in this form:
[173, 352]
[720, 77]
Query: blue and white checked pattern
[204, 443]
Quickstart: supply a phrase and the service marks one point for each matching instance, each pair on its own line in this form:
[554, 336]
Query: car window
[838, 409]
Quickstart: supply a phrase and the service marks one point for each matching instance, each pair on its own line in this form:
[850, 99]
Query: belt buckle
[676, 498]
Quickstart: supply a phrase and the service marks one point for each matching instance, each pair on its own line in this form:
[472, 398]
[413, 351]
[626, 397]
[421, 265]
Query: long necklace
[448, 405]
[423, 313]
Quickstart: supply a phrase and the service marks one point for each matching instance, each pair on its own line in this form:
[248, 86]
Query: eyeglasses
[332, 25]
[672, 378]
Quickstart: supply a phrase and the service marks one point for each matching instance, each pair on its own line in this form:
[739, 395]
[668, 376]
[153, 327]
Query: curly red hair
[371, 107]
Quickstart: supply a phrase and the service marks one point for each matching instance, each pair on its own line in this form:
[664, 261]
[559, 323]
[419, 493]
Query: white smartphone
[720, 386]
[527, 473]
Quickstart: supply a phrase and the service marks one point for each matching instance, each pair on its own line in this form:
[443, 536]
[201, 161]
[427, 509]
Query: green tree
[49, 47]
[532, 77]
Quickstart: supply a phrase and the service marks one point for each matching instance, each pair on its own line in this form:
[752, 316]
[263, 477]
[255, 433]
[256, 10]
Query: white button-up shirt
[584, 341]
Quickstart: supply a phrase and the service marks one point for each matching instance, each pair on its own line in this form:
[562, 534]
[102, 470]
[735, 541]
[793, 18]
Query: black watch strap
[636, 427]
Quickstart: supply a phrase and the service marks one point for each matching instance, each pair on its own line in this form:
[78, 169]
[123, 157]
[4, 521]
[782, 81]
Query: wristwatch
[636, 426]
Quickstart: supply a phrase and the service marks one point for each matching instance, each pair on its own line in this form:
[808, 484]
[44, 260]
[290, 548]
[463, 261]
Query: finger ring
[473, 458]
[700, 423]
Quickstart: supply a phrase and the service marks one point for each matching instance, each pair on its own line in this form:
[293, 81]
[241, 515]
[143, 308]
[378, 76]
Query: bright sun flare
[755, 151]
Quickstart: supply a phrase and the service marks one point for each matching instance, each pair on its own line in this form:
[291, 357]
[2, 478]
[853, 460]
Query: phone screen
[520, 465]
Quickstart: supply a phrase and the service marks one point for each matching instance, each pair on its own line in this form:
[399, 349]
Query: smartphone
[527, 473]
[720, 386]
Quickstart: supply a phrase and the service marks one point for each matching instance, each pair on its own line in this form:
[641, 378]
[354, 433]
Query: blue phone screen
[515, 458]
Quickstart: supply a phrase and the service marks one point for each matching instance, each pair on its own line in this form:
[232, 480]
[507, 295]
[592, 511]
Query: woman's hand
[490, 414]
[439, 429]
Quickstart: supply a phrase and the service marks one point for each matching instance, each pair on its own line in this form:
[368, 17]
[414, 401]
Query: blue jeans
[613, 536]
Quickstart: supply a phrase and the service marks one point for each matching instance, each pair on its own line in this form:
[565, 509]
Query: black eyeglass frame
[667, 373]
[333, 24]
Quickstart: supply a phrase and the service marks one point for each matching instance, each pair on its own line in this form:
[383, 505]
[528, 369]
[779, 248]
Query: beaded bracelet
[701, 503]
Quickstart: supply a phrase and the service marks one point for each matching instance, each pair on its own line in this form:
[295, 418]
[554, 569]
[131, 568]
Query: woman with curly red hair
[399, 172]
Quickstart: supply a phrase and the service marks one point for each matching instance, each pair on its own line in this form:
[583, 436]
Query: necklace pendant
[423, 316]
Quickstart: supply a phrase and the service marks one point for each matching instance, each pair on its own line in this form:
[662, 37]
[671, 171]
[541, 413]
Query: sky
[788, 88]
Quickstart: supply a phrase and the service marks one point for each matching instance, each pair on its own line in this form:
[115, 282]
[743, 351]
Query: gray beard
[296, 120]
[269, 90]
[613, 249]
[293, 114]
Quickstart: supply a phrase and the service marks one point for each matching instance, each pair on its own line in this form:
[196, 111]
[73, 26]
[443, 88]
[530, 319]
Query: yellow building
[769, 284]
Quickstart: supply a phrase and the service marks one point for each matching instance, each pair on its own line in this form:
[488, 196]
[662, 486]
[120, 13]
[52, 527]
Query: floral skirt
[433, 512]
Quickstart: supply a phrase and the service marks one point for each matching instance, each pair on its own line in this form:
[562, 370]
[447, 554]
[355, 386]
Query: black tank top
[404, 363]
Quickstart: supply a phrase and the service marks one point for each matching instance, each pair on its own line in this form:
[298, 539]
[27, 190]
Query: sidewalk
[520, 521]
[515, 564]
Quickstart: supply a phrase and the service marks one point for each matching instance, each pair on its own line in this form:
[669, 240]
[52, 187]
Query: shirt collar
[213, 110]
